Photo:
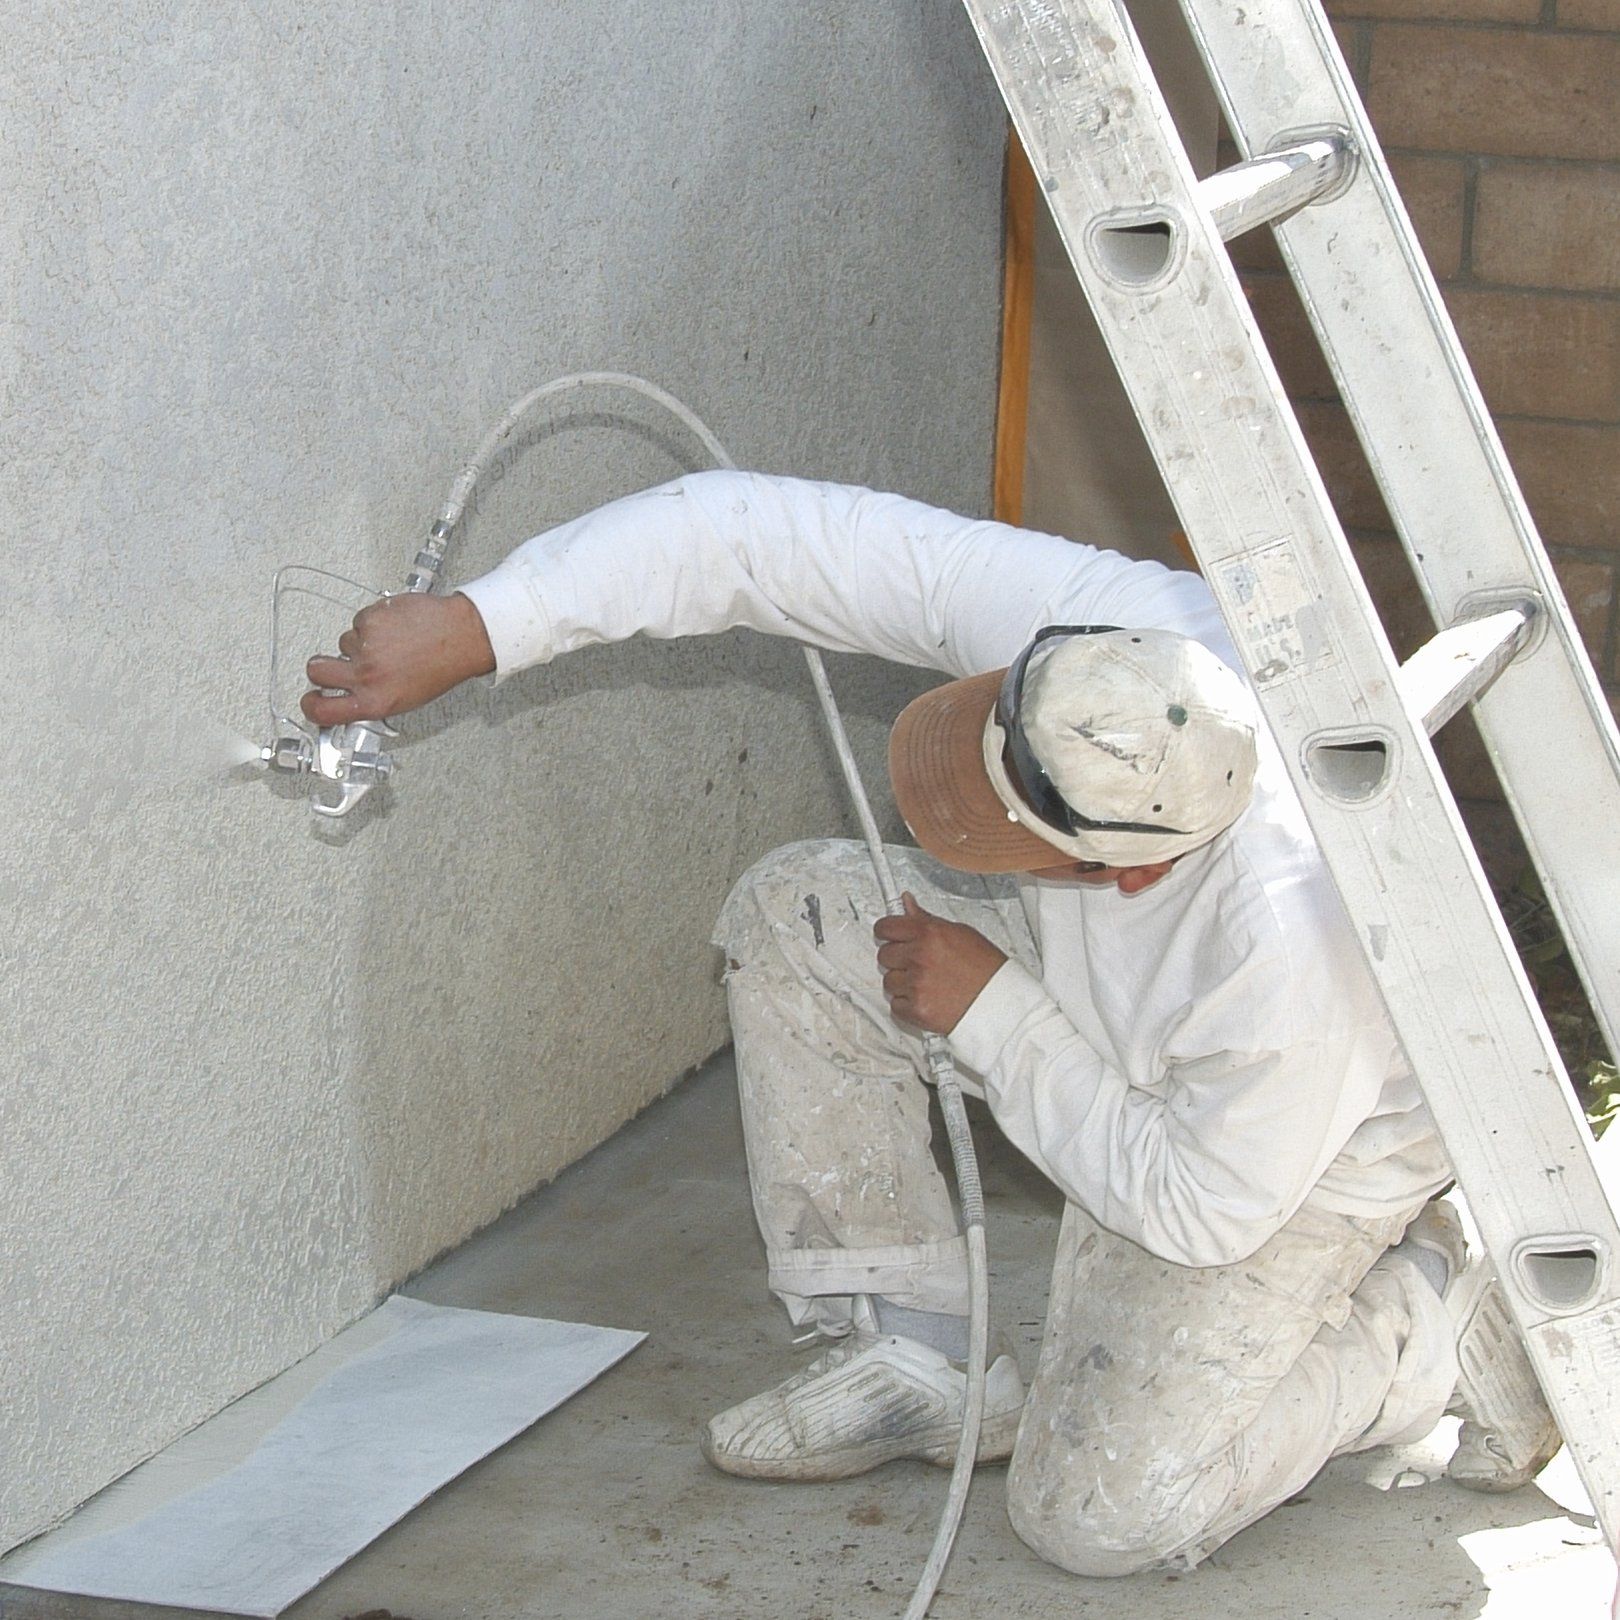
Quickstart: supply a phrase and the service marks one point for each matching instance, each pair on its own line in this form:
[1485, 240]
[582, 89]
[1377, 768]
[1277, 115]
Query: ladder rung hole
[1134, 255]
[1349, 769]
[1559, 1279]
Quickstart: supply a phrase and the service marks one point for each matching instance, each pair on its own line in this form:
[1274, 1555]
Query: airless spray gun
[352, 758]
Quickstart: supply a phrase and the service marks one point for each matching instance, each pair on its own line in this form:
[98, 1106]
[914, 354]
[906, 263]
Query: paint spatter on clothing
[812, 915]
[1125, 746]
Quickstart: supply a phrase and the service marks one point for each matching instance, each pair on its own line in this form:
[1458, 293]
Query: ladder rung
[1460, 662]
[1269, 188]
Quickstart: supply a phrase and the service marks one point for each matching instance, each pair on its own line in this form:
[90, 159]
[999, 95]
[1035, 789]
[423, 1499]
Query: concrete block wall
[1501, 119]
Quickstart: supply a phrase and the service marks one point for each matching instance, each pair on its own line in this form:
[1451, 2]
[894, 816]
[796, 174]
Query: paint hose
[936, 1050]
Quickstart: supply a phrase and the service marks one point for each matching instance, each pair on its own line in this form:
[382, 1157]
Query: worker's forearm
[842, 568]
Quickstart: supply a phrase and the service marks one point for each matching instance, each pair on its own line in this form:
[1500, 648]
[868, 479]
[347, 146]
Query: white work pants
[1172, 1406]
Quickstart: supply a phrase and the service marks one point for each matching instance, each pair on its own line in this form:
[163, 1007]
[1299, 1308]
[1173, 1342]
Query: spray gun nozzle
[288, 751]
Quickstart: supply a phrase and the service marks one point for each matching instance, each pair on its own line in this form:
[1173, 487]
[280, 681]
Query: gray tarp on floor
[253, 1508]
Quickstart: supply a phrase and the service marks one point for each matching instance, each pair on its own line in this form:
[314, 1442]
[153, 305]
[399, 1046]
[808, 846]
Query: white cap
[1145, 727]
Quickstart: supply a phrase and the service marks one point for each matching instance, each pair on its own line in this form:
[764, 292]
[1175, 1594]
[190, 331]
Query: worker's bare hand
[933, 969]
[398, 654]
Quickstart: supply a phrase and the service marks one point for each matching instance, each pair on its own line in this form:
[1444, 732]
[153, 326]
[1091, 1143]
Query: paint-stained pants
[1172, 1406]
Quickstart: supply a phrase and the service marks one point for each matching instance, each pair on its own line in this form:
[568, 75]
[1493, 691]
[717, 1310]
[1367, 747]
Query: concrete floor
[606, 1509]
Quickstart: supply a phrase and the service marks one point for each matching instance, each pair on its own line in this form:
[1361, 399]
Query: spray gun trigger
[349, 795]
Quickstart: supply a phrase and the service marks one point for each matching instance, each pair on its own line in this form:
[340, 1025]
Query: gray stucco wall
[266, 274]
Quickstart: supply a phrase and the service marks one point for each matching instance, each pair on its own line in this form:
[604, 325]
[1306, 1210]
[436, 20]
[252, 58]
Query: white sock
[1435, 1267]
[943, 1331]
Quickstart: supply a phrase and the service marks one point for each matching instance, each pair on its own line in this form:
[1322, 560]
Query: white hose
[936, 1051]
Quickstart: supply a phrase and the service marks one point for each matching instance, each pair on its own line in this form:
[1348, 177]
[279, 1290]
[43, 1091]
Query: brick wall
[1501, 119]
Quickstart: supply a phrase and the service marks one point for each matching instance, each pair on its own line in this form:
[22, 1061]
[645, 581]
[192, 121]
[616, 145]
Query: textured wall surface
[266, 274]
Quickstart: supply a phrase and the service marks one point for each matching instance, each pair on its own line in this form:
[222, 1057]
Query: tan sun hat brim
[936, 765]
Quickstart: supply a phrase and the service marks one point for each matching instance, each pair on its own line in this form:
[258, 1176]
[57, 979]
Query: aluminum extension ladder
[1145, 238]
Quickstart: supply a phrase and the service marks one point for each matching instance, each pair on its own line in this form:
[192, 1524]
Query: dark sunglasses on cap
[1025, 771]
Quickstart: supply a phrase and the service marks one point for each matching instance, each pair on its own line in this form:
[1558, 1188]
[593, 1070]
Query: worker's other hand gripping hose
[941, 1068]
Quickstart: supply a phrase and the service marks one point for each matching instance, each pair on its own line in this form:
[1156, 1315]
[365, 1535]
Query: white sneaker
[1508, 1434]
[867, 1400]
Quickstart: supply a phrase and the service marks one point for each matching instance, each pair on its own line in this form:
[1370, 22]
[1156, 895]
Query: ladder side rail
[1234, 459]
[1438, 459]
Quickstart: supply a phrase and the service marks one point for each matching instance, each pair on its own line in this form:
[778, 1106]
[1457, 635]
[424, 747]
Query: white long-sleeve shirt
[1195, 1061]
